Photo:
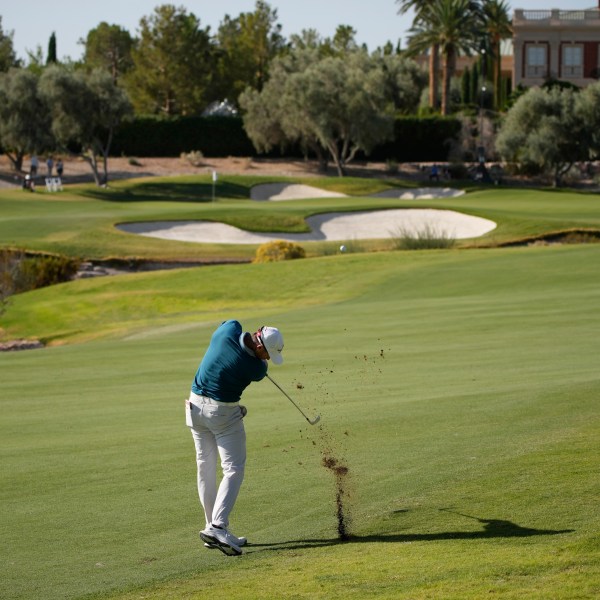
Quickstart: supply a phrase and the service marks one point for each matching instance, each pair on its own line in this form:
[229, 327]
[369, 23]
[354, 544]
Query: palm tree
[456, 27]
[497, 25]
[421, 7]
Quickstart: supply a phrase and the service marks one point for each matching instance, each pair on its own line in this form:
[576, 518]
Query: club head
[315, 420]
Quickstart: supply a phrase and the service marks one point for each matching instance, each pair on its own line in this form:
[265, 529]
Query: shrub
[9, 269]
[458, 170]
[392, 166]
[20, 272]
[41, 271]
[423, 239]
[278, 250]
[194, 157]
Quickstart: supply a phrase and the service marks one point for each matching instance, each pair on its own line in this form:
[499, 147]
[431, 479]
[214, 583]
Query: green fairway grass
[459, 387]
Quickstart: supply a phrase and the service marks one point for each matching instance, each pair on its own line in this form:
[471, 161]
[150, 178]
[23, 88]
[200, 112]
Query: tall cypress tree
[51, 49]
[475, 82]
[465, 86]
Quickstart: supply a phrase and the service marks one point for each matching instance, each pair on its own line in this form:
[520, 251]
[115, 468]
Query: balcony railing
[556, 15]
[533, 15]
[536, 71]
[568, 71]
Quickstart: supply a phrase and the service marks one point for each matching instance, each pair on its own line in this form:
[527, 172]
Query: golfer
[233, 360]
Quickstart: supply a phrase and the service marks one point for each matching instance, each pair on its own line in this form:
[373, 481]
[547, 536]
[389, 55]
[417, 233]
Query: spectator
[59, 167]
[34, 164]
[28, 183]
[50, 165]
[434, 175]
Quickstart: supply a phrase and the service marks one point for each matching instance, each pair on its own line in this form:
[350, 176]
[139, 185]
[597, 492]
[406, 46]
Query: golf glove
[244, 410]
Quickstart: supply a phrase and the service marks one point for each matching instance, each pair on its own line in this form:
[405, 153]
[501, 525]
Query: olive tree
[404, 81]
[85, 110]
[267, 120]
[588, 107]
[545, 128]
[8, 58]
[25, 126]
[340, 104]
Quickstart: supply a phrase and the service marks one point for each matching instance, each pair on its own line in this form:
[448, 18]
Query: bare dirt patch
[78, 171]
[15, 345]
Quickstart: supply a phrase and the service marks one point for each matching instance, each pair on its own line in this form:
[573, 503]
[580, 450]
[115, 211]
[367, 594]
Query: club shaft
[287, 396]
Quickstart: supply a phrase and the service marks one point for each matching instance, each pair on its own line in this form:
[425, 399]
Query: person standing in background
[33, 165]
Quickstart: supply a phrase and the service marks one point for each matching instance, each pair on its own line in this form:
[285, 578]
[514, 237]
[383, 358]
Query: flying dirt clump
[328, 445]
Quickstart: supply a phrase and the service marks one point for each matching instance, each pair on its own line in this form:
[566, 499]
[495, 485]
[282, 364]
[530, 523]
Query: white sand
[286, 191]
[420, 193]
[377, 224]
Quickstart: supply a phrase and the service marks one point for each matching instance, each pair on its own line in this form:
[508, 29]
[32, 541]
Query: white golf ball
[342, 248]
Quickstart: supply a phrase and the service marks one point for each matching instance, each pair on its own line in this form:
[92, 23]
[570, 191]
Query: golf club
[313, 421]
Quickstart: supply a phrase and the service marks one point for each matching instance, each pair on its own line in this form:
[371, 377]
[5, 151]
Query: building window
[537, 61]
[572, 61]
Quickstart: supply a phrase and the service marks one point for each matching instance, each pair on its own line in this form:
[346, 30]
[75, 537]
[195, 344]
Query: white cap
[273, 343]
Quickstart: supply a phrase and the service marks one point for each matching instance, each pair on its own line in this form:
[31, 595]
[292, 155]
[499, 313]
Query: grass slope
[459, 387]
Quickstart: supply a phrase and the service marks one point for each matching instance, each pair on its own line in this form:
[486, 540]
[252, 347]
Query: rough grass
[460, 388]
[426, 238]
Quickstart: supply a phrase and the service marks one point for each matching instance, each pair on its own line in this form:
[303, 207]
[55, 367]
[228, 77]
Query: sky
[375, 21]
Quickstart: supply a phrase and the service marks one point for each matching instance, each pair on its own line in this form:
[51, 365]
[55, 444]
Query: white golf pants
[218, 431]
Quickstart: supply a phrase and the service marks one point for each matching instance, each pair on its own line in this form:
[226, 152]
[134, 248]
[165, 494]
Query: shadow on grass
[166, 191]
[492, 528]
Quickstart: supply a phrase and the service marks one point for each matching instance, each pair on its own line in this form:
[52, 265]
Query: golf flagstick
[313, 421]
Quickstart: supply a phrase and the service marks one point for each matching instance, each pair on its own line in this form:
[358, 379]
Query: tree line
[178, 67]
[330, 96]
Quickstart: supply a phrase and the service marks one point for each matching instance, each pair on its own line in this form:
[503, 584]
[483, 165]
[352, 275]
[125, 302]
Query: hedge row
[154, 136]
[419, 139]
[416, 139]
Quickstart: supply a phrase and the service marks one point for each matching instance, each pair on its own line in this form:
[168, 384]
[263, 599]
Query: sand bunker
[362, 225]
[378, 224]
[419, 193]
[286, 191]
